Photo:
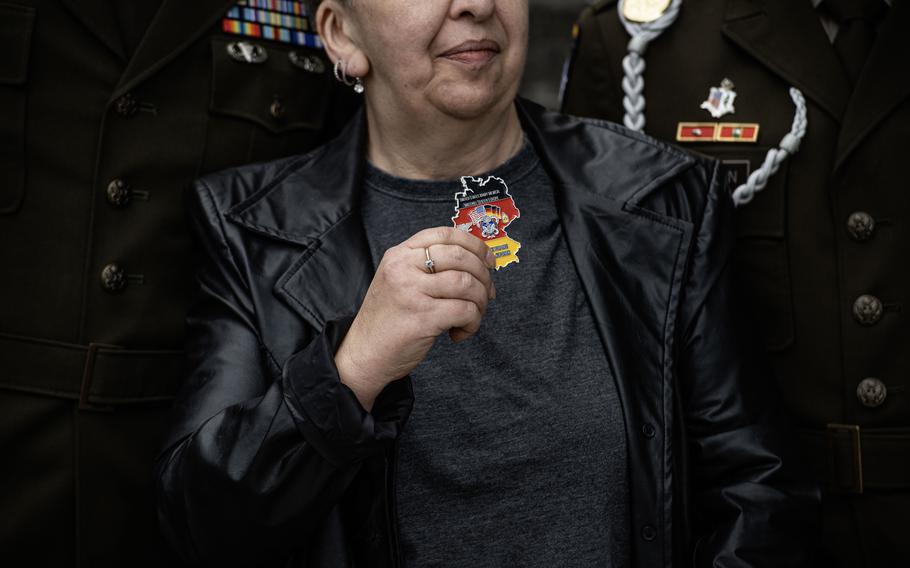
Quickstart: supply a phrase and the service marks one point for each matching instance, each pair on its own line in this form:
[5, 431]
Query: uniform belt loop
[835, 470]
[88, 373]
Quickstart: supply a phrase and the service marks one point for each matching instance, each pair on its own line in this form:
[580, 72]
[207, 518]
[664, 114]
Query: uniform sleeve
[591, 85]
[752, 506]
[258, 453]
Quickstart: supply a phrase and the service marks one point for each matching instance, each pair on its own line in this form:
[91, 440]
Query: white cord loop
[633, 102]
[633, 64]
[789, 145]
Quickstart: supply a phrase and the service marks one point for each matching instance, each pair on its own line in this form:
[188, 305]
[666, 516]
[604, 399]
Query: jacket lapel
[329, 279]
[601, 220]
[775, 33]
[633, 315]
[608, 232]
[884, 83]
[177, 24]
[99, 17]
[600, 181]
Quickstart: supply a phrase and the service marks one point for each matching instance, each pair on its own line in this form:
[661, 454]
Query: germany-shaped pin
[485, 209]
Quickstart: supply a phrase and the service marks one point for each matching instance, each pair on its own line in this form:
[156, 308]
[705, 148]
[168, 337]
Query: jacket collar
[786, 36]
[600, 177]
[884, 82]
[772, 31]
[99, 17]
[575, 155]
[329, 178]
[175, 27]
[619, 165]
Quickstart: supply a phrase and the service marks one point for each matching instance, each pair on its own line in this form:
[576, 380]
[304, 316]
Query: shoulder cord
[633, 64]
[788, 146]
[633, 86]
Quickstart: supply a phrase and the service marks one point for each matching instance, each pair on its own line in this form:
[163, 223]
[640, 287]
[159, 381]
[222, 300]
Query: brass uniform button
[871, 392]
[118, 193]
[868, 310]
[113, 278]
[861, 226]
[126, 106]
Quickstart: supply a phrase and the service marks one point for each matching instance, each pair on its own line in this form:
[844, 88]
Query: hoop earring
[341, 75]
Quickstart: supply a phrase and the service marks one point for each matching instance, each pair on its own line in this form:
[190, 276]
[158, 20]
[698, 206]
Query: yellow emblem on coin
[644, 11]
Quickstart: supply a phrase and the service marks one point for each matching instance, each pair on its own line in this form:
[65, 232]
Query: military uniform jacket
[98, 142]
[821, 252]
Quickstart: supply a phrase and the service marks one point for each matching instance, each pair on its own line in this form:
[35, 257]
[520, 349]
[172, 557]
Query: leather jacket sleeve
[260, 451]
[751, 508]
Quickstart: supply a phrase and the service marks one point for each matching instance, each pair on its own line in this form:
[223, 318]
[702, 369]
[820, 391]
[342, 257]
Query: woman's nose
[476, 9]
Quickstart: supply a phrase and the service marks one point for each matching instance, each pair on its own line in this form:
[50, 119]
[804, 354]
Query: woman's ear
[338, 30]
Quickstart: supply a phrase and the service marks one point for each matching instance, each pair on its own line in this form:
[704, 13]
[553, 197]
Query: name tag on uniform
[733, 173]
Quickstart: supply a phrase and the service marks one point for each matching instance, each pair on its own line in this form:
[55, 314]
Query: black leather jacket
[272, 461]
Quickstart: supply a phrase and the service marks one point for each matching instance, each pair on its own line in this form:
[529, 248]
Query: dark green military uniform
[108, 110]
[822, 251]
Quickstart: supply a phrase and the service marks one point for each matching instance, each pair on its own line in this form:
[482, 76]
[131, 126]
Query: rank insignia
[720, 99]
[278, 20]
[696, 131]
[644, 11]
[737, 132]
[717, 132]
[485, 209]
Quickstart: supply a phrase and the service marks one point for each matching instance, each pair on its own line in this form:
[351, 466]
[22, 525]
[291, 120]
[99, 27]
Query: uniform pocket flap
[16, 24]
[278, 87]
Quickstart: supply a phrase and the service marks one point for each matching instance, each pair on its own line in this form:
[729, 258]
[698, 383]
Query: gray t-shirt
[515, 452]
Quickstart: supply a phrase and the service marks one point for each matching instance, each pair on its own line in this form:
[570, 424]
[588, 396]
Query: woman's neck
[442, 147]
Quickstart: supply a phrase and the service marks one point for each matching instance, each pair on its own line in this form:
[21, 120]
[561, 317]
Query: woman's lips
[474, 52]
[472, 57]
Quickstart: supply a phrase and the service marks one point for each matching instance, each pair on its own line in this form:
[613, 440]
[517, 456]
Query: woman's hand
[407, 308]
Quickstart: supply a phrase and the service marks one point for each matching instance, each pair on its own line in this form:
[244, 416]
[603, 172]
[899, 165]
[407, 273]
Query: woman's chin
[469, 102]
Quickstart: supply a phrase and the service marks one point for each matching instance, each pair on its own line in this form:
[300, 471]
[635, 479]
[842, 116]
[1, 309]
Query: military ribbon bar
[277, 20]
